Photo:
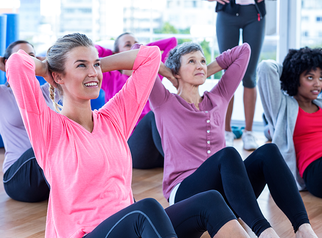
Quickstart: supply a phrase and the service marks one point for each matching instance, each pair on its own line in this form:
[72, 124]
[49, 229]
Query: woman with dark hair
[196, 158]
[290, 98]
[84, 153]
[23, 179]
[144, 142]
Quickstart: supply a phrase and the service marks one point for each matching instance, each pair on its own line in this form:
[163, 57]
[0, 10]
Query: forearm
[40, 67]
[213, 68]
[120, 61]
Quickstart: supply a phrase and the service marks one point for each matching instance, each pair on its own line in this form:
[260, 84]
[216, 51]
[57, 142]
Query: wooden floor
[22, 220]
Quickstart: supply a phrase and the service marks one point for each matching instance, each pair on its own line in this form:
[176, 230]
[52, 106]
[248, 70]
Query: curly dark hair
[295, 63]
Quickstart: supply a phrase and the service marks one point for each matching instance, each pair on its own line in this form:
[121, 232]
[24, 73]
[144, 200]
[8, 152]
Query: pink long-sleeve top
[89, 173]
[189, 136]
[113, 81]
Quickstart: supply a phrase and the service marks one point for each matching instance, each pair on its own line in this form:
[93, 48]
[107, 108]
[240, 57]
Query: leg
[146, 219]
[313, 178]
[267, 166]
[226, 173]
[145, 143]
[227, 30]
[25, 181]
[206, 211]
[253, 34]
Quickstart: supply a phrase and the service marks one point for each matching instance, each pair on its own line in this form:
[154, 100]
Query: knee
[211, 198]
[149, 204]
[270, 151]
[230, 155]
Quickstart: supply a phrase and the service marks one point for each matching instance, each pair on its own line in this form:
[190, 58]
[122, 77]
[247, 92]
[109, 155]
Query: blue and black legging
[241, 182]
[190, 218]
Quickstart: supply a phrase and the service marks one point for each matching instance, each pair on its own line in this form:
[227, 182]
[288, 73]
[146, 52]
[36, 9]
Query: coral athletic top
[189, 136]
[89, 173]
[113, 81]
[307, 138]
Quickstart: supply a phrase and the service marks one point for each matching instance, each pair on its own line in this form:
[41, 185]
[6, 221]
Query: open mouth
[91, 84]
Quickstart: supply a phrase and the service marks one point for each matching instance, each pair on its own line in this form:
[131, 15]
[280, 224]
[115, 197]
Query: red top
[307, 138]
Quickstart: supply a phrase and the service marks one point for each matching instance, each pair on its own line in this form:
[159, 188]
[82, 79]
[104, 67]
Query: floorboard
[27, 220]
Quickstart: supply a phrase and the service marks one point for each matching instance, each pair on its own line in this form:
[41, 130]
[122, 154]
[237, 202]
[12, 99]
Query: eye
[203, 61]
[32, 55]
[98, 64]
[81, 66]
[320, 78]
[310, 78]
[191, 61]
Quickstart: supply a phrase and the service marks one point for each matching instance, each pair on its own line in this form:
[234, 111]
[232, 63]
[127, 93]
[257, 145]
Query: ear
[57, 78]
[177, 76]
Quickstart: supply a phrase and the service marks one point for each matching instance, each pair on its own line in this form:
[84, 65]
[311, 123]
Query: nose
[92, 72]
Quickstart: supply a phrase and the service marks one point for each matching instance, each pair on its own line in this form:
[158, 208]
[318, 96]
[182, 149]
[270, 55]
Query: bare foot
[268, 233]
[305, 231]
[232, 229]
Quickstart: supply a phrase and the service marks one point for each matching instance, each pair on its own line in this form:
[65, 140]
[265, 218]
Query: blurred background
[289, 24]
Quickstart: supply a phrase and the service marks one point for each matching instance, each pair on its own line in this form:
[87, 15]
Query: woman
[84, 153]
[144, 142]
[192, 134]
[248, 15]
[23, 179]
[294, 115]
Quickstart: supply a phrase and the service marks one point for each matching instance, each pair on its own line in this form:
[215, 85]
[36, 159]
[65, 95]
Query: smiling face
[193, 69]
[125, 42]
[310, 85]
[82, 76]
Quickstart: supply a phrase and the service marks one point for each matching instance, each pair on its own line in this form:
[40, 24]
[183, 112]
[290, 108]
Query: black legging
[25, 181]
[190, 218]
[313, 178]
[145, 144]
[242, 182]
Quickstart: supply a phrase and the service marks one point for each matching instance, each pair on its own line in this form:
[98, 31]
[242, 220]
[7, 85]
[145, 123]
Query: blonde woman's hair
[52, 95]
[56, 57]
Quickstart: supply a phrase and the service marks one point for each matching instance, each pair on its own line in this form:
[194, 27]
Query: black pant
[228, 32]
[145, 144]
[242, 182]
[313, 178]
[190, 218]
[25, 181]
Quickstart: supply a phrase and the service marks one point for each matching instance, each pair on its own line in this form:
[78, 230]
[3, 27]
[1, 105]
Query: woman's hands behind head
[167, 73]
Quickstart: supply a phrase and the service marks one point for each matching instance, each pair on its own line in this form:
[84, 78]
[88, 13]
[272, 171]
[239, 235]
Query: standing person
[248, 15]
[84, 153]
[23, 179]
[195, 157]
[289, 95]
[145, 144]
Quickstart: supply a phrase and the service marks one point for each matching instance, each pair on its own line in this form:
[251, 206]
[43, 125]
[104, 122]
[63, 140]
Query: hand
[222, 1]
[167, 73]
[2, 65]
[48, 75]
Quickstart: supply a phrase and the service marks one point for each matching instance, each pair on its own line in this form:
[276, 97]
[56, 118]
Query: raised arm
[269, 85]
[120, 61]
[126, 106]
[235, 62]
[165, 45]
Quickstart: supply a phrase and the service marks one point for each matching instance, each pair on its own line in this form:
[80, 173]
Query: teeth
[91, 84]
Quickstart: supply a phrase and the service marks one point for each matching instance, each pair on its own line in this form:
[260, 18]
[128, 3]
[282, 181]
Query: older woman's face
[193, 68]
[125, 42]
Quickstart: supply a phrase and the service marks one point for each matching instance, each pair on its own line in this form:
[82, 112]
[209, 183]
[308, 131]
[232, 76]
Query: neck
[80, 113]
[190, 94]
[306, 104]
